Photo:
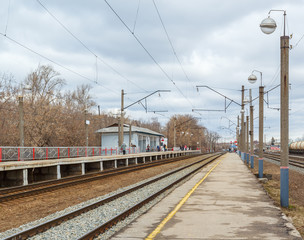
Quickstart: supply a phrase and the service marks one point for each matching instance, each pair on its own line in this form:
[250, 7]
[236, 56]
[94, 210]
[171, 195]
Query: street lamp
[268, 26]
[252, 79]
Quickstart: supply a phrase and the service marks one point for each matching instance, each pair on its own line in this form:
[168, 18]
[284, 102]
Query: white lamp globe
[252, 78]
[268, 25]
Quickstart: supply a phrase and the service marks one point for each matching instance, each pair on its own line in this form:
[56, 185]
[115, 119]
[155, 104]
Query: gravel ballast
[78, 226]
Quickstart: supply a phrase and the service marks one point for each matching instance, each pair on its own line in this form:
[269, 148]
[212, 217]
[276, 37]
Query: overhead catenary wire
[146, 50]
[54, 62]
[8, 14]
[173, 49]
[85, 46]
[136, 16]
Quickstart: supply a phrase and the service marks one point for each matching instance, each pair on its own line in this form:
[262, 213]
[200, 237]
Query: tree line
[53, 117]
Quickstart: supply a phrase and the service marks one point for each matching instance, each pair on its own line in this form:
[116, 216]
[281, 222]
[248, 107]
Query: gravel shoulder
[20, 211]
[296, 192]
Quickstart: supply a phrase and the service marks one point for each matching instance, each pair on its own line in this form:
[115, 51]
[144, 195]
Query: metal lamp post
[252, 79]
[268, 26]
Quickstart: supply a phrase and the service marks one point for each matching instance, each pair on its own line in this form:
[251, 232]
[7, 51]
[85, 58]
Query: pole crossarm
[232, 101]
[139, 101]
[207, 110]
[230, 123]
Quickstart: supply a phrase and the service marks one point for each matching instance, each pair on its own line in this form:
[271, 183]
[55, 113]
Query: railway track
[158, 181]
[293, 160]
[8, 194]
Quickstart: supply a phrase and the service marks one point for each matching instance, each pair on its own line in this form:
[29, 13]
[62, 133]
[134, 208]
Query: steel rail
[105, 226]
[292, 161]
[56, 221]
[46, 186]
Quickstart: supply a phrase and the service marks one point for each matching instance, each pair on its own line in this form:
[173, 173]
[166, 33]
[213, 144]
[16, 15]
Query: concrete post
[174, 130]
[284, 169]
[21, 121]
[130, 135]
[247, 139]
[238, 134]
[25, 176]
[82, 169]
[122, 119]
[242, 126]
[261, 128]
[58, 172]
[251, 138]
[86, 129]
[21, 126]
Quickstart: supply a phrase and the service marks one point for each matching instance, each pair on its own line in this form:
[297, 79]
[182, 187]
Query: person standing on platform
[123, 148]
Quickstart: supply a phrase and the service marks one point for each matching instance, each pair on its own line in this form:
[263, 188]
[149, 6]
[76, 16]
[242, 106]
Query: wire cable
[136, 16]
[54, 62]
[146, 50]
[298, 42]
[8, 13]
[173, 50]
[85, 46]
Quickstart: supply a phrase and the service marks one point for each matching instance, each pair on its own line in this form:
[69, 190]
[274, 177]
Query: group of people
[158, 148]
[184, 148]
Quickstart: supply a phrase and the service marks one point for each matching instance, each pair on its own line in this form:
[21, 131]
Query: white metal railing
[44, 153]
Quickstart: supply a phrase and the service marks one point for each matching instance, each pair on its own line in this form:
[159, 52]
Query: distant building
[140, 137]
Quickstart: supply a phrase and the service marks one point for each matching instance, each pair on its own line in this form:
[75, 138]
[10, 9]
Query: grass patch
[294, 211]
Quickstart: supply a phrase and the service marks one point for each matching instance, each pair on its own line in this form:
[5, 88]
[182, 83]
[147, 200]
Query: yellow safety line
[179, 205]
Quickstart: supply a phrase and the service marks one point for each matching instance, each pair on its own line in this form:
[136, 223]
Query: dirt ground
[296, 192]
[20, 211]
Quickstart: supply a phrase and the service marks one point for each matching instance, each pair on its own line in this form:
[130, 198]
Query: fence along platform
[45, 153]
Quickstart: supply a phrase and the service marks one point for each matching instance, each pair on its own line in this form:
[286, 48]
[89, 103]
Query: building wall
[110, 140]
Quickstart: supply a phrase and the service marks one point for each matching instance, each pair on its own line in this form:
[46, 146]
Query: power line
[298, 42]
[136, 16]
[54, 62]
[85, 46]
[146, 50]
[173, 50]
[8, 13]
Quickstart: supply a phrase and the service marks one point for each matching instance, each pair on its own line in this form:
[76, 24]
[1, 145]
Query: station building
[140, 137]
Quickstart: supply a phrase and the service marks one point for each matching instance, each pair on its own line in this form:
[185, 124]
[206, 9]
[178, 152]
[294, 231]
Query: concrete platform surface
[229, 204]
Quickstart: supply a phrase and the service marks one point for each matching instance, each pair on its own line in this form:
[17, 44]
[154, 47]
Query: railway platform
[223, 201]
[17, 173]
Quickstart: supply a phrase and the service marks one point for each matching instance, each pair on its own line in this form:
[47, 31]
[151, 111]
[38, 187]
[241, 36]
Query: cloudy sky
[143, 46]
